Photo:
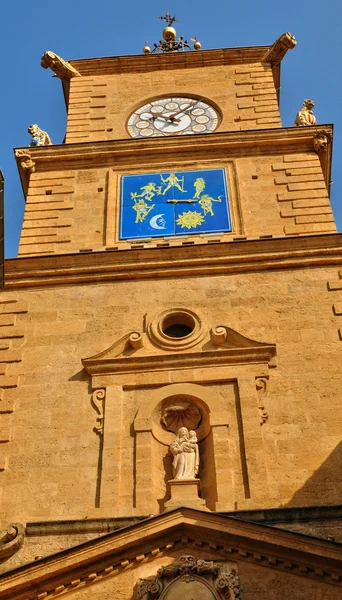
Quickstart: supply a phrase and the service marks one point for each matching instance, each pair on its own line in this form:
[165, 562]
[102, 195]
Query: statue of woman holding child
[185, 455]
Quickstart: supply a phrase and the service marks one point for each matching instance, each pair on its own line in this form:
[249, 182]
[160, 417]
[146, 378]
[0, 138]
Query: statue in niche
[39, 137]
[185, 455]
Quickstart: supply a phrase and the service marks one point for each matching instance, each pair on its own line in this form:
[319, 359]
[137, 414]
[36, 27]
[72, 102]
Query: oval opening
[178, 325]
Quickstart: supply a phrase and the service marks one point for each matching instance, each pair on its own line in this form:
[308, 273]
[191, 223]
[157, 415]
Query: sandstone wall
[51, 466]
[73, 209]
[100, 105]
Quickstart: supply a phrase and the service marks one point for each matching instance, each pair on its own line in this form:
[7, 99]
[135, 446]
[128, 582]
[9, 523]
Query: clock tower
[171, 335]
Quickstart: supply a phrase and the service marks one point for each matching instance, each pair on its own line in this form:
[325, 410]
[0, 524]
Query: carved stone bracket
[97, 400]
[25, 161]
[11, 540]
[188, 569]
[60, 67]
[277, 52]
[261, 386]
[321, 141]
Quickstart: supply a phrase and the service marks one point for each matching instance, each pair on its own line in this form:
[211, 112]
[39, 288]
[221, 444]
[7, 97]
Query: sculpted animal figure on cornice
[305, 115]
[39, 137]
[185, 571]
[58, 65]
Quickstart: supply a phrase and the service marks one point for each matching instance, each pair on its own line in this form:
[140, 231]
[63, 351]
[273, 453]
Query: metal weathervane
[170, 43]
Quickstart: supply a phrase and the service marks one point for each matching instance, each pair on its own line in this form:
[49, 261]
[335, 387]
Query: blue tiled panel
[174, 203]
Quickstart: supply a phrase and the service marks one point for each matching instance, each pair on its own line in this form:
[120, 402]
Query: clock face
[172, 116]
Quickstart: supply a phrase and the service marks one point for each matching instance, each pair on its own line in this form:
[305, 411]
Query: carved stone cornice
[159, 151]
[26, 166]
[277, 52]
[60, 67]
[220, 538]
[158, 62]
[235, 349]
[241, 256]
[275, 55]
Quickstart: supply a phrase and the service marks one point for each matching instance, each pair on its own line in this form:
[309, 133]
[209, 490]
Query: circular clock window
[173, 116]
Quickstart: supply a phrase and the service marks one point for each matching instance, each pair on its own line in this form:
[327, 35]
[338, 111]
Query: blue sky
[83, 29]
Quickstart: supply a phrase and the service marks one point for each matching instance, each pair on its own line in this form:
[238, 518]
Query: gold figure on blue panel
[142, 209]
[199, 186]
[173, 181]
[147, 191]
[206, 203]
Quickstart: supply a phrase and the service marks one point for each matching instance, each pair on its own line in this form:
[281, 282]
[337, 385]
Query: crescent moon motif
[154, 224]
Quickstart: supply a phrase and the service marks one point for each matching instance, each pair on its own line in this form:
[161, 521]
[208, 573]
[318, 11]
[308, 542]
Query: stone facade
[89, 369]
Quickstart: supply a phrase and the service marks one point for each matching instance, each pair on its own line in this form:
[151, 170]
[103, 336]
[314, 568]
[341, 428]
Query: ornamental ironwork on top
[170, 43]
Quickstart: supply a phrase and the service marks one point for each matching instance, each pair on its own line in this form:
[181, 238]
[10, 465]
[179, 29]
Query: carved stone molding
[180, 413]
[277, 52]
[261, 386]
[97, 400]
[222, 584]
[58, 65]
[137, 352]
[25, 161]
[321, 141]
[11, 540]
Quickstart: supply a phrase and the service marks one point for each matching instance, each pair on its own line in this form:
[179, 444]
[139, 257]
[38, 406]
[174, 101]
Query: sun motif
[190, 219]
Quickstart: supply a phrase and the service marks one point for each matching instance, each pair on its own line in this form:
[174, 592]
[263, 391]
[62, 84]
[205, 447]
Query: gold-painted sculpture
[60, 67]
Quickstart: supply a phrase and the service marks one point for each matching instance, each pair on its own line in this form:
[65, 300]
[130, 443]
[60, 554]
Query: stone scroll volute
[190, 578]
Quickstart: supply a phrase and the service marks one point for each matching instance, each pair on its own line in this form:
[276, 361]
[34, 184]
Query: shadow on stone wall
[324, 487]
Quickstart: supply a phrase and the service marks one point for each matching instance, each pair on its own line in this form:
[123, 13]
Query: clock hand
[180, 112]
[166, 119]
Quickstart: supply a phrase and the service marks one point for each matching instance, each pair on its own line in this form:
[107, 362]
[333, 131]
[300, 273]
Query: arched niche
[153, 440]
[149, 413]
[196, 588]
[189, 578]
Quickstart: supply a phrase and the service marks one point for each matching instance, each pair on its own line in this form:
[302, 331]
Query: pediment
[201, 345]
[140, 550]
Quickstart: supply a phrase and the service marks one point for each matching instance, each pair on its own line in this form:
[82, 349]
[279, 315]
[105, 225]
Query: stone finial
[185, 455]
[277, 52]
[60, 67]
[321, 141]
[305, 115]
[39, 137]
[25, 161]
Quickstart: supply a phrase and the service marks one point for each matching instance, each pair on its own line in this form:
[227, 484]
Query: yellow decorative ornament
[169, 33]
[190, 219]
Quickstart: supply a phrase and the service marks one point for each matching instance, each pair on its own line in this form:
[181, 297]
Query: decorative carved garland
[188, 569]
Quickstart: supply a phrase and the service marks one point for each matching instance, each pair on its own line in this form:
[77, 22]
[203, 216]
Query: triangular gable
[203, 346]
[226, 537]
